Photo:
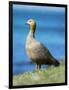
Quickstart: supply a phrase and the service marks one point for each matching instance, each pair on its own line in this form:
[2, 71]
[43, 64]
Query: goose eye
[30, 21]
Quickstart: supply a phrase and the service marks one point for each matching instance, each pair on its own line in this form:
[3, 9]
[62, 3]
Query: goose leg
[36, 66]
[39, 66]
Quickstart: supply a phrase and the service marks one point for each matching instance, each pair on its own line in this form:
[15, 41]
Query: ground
[49, 75]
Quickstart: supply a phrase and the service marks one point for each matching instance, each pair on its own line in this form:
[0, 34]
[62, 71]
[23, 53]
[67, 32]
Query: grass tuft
[44, 76]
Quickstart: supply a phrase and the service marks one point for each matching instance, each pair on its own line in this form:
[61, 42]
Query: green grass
[44, 76]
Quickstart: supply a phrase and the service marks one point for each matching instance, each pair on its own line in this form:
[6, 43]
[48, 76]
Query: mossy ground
[44, 76]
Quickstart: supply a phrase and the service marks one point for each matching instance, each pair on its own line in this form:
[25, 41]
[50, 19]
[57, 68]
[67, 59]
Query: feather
[36, 51]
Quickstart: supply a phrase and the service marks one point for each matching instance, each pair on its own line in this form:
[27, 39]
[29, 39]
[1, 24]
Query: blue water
[50, 31]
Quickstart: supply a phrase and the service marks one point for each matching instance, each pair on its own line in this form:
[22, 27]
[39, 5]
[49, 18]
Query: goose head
[32, 24]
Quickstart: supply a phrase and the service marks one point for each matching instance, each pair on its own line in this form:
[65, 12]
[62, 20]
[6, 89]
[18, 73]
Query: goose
[36, 51]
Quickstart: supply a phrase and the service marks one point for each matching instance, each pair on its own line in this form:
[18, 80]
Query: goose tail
[57, 63]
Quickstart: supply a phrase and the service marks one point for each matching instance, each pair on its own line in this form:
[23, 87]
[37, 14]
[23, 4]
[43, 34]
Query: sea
[50, 30]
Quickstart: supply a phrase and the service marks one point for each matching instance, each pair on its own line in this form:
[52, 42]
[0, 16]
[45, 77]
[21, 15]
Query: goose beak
[27, 22]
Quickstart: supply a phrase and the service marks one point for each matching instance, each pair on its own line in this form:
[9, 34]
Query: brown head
[32, 24]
